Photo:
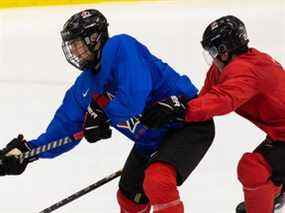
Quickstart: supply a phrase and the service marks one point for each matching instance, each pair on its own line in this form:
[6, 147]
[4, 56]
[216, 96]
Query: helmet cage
[87, 55]
[77, 56]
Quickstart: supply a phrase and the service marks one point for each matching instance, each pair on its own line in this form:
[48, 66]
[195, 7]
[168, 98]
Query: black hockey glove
[9, 157]
[96, 124]
[165, 111]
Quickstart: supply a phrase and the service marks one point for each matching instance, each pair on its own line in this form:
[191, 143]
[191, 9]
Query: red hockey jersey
[253, 85]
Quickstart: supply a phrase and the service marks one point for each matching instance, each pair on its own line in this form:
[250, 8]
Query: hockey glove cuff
[163, 112]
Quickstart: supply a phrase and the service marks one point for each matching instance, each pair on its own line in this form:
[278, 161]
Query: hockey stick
[49, 146]
[82, 192]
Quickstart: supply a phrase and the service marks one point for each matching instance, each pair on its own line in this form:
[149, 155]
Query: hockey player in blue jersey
[120, 80]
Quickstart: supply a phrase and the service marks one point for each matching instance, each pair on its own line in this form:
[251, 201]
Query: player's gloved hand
[9, 156]
[165, 111]
[96, 124]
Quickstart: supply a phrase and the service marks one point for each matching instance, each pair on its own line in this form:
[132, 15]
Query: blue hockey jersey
[134, 78]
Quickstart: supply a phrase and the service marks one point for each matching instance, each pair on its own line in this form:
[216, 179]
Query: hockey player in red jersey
[251, 83]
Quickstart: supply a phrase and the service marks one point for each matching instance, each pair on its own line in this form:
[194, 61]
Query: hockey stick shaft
[49, 146]
[82, 192]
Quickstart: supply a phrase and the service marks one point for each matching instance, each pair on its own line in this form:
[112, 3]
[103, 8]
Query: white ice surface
[34, 76]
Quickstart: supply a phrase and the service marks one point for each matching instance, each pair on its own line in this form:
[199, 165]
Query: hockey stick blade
[49, 146]
[82, 192]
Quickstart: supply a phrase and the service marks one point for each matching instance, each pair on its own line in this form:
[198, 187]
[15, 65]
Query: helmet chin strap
[96, 50]
[98, 64]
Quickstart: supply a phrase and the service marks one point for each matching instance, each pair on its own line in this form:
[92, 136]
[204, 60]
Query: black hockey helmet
[226, 34]
[87, 31]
